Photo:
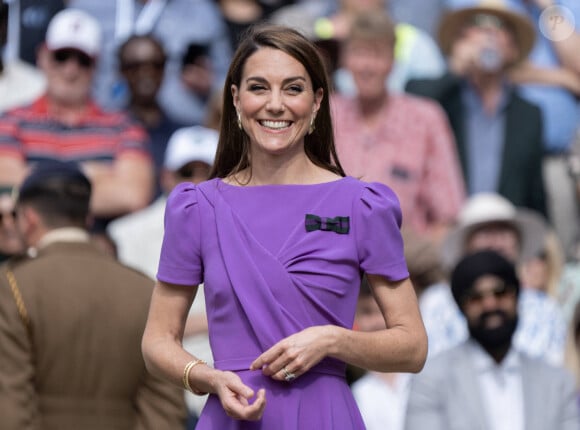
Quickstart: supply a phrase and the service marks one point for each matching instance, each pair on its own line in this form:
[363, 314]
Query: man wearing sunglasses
[489, 221]
[485, 383]
[65, 124]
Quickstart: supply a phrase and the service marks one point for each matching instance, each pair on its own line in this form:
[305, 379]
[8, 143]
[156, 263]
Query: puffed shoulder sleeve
[377, 221]
[180, 261]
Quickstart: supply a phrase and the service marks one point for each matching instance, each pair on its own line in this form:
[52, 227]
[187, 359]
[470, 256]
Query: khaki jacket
[70, 350]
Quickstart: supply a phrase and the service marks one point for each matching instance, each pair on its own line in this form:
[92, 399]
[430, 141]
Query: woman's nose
[276, 103]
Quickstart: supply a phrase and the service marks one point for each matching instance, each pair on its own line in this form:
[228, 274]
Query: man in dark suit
[498, 133]
[71, 322]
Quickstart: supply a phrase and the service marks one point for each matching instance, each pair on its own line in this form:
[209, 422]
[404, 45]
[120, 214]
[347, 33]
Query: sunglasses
[6, 215]
[62, 56]
[192, 169]
[485, 20]
[499, 291]
[131, 66]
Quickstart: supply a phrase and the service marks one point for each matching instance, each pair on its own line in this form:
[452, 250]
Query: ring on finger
[288, 376]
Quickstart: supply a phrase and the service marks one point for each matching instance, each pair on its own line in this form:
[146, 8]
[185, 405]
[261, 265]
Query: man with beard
[485, 383]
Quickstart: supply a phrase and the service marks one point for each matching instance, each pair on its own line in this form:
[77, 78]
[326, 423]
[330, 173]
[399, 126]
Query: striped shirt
[31, 132]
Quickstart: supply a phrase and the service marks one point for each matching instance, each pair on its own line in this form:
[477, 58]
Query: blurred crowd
[468, 109]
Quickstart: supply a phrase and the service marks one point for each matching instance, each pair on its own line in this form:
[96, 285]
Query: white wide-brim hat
[521, 26]
[485, 208]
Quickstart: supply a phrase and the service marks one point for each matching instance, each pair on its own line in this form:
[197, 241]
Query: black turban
[477, 264]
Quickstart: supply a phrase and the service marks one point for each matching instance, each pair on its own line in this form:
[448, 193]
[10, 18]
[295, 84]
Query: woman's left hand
[295, 355]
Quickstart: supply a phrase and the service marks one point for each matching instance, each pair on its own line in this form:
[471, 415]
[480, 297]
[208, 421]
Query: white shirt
[20, 84]
[501, 389]
[382, 405]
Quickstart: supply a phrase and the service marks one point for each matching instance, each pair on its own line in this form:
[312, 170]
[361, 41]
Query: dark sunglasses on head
[499, 291]
[131, 66]
[62, 56]
[5, 215]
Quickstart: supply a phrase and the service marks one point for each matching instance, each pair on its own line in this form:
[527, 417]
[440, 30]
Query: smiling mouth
[275, 125]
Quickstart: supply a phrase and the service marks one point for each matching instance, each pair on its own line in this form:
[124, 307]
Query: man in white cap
[64, 124]
[188, 158]
[490, 221]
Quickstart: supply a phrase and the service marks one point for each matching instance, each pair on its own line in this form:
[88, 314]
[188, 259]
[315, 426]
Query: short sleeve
[377, 222]
[180, 262]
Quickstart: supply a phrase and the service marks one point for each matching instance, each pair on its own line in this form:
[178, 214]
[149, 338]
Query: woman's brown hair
[232, 153]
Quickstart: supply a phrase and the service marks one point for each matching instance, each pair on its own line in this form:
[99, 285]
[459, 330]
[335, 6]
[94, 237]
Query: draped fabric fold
[267, 292]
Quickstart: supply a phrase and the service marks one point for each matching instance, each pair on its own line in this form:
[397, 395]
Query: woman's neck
[279, 170]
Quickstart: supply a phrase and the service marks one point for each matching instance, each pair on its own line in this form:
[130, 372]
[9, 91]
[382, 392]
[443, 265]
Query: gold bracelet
[186, 371]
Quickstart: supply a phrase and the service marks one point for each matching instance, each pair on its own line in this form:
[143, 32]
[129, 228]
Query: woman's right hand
[235, 397]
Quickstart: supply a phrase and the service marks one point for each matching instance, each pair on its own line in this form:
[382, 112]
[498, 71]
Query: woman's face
[276, 102]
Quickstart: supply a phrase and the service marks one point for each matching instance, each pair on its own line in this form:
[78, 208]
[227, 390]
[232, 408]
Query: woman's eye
[257, 87]
[295, 89]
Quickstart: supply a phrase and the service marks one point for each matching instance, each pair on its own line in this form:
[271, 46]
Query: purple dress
[274, 260]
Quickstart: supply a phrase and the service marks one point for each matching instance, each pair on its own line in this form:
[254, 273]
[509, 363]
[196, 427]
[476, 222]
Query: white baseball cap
[73, 28]
[189, 144]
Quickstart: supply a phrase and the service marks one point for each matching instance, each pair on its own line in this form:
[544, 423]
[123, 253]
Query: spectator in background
[10, 241]
[497, 132]
[20, 83]
[485, 382]
[382, 397]
[239, 15]
[142, 64]
[176, 24]
[189, 157]
[489, 221]
[66, 124]
[71, 321]
[34, 18]
[550, 78]
[199, 80]
[416, 55]
[396, 139]
[544, 271]
[572, 359]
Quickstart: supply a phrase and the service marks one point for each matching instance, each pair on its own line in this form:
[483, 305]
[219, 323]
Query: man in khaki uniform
[71, 322]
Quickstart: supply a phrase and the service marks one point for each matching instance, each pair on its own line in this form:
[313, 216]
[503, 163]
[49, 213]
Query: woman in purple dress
[280, 237]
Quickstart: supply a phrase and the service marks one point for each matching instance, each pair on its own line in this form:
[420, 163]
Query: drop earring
[312, 126]
[239, 121]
